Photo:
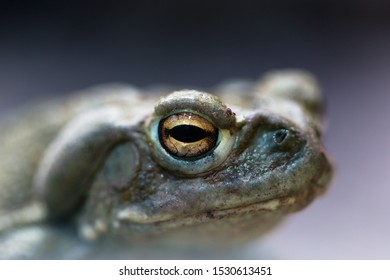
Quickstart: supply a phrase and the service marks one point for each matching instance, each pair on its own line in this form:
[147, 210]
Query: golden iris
[187, 135]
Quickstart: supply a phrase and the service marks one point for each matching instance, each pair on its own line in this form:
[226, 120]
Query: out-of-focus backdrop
[53, 49]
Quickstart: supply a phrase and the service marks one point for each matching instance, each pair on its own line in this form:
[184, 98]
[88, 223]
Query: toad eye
[187, 135]
[191, 132]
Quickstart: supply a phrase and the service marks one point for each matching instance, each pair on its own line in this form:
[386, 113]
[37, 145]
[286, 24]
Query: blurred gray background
[53, 49]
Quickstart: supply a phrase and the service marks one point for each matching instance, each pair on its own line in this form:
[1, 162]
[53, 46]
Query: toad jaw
[133, 214]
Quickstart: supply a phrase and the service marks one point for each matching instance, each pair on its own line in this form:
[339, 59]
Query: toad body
[122, 166]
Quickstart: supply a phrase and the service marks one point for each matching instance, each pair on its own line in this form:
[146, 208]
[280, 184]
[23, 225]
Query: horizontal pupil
[187, 133]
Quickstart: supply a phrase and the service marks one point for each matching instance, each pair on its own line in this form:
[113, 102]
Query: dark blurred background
[51, 49]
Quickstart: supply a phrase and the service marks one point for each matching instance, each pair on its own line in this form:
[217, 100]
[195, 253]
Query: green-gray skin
[91, 170]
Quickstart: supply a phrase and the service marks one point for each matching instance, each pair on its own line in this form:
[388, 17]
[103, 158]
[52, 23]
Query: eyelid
[201, 103]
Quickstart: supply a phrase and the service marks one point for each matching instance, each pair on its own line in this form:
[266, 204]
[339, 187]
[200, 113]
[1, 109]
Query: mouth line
[206, 216]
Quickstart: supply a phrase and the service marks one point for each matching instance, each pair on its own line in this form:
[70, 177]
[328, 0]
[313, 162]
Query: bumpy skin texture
[91, 170]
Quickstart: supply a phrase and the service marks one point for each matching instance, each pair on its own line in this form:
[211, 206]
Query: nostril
[280, 136]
